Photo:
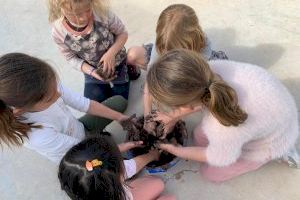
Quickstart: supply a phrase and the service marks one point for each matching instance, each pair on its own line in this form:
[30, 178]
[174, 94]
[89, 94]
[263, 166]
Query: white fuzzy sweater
[272, 125]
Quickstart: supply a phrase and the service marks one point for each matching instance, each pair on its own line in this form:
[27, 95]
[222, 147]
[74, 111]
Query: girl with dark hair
[249, 117]
[34, 112]
[94, 169]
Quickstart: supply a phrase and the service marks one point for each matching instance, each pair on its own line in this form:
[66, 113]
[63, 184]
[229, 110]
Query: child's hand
[96, 76]
[109, 62]
[154, 154]
[168, 128]
[150, 127]
[123, 147]
[167, 120]
[169, 148]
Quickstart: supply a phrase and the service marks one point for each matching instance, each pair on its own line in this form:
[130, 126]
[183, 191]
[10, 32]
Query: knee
[117, 103]
[122, 103]
[167, 197]
[132, 55]
[157, 184]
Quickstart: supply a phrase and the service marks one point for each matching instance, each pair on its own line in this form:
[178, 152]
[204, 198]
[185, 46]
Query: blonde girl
[89, 35]
[249, 117]
[177, 28]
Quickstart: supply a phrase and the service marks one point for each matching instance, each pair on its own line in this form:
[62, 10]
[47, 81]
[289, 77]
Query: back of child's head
[55, 7]
[183, 78]
[24, 81]
[103, 181]
[178, 28]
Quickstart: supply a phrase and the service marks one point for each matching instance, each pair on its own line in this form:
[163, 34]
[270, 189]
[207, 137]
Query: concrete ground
[263, 32]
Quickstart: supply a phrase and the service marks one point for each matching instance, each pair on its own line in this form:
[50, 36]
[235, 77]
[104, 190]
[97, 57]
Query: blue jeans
[100, 92]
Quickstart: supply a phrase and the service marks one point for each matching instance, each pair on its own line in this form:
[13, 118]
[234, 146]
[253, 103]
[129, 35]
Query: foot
[133, 72]
[292, 159]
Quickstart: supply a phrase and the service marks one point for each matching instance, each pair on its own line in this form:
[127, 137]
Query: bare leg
[146, 187]
[220, 174]
[137, 56]
[167, 197]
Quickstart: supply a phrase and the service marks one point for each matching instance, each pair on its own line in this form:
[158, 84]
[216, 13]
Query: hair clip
[90, 165]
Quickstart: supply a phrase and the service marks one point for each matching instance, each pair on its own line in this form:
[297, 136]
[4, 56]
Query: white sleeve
[74, 100]
[154, 56]
[130, 168]
[72, 58]
[50, 143]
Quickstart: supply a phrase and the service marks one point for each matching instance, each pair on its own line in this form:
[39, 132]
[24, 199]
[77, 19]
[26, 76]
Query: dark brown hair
[183, 77]
[24, 81]
[103, 182]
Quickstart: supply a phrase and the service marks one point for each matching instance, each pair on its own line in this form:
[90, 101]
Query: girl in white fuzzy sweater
[249, 117]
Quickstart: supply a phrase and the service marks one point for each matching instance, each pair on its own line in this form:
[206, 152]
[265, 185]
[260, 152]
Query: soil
[136, 132]
[100, 72]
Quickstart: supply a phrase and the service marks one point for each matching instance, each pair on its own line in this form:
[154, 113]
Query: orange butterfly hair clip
[90, 165]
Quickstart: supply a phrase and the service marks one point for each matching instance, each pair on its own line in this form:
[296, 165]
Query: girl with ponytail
[34, 112]
[248, 117]
[94, 169]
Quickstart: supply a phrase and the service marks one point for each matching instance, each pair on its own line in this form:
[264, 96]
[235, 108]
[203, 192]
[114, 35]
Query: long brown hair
[24, 81]
[178, 27]
[100, 7]
[183, 77]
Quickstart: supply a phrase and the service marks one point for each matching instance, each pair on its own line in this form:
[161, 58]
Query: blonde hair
[100, 7]
[183, 77]
[178, 27]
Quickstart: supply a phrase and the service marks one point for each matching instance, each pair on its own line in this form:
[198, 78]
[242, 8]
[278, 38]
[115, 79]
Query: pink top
[272, 125]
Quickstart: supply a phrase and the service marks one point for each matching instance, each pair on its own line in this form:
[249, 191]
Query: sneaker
[133, 72]
[292, 158]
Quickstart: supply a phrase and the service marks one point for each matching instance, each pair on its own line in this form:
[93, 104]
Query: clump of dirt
[102, 74]
[136, 132]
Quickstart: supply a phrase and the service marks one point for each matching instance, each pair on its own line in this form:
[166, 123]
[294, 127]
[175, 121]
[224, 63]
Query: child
[177, 28]
[249, 117]
[34, 112]
[89, 35]
[94, 168]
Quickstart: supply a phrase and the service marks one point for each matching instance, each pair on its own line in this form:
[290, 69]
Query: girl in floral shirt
[89, 35]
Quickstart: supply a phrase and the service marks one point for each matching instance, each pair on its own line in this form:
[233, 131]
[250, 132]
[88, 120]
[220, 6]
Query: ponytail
[24, 81]
[12, 130]
[222, 102]
[182, 77]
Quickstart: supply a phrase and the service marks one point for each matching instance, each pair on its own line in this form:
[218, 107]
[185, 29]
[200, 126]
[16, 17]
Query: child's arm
[108, 58]
[123, 147]
[101, 110]
[147, 100]
[149, 126]
[135, 164]
[170, 119]
[116, 26]
[142, 160]
[189, 153]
